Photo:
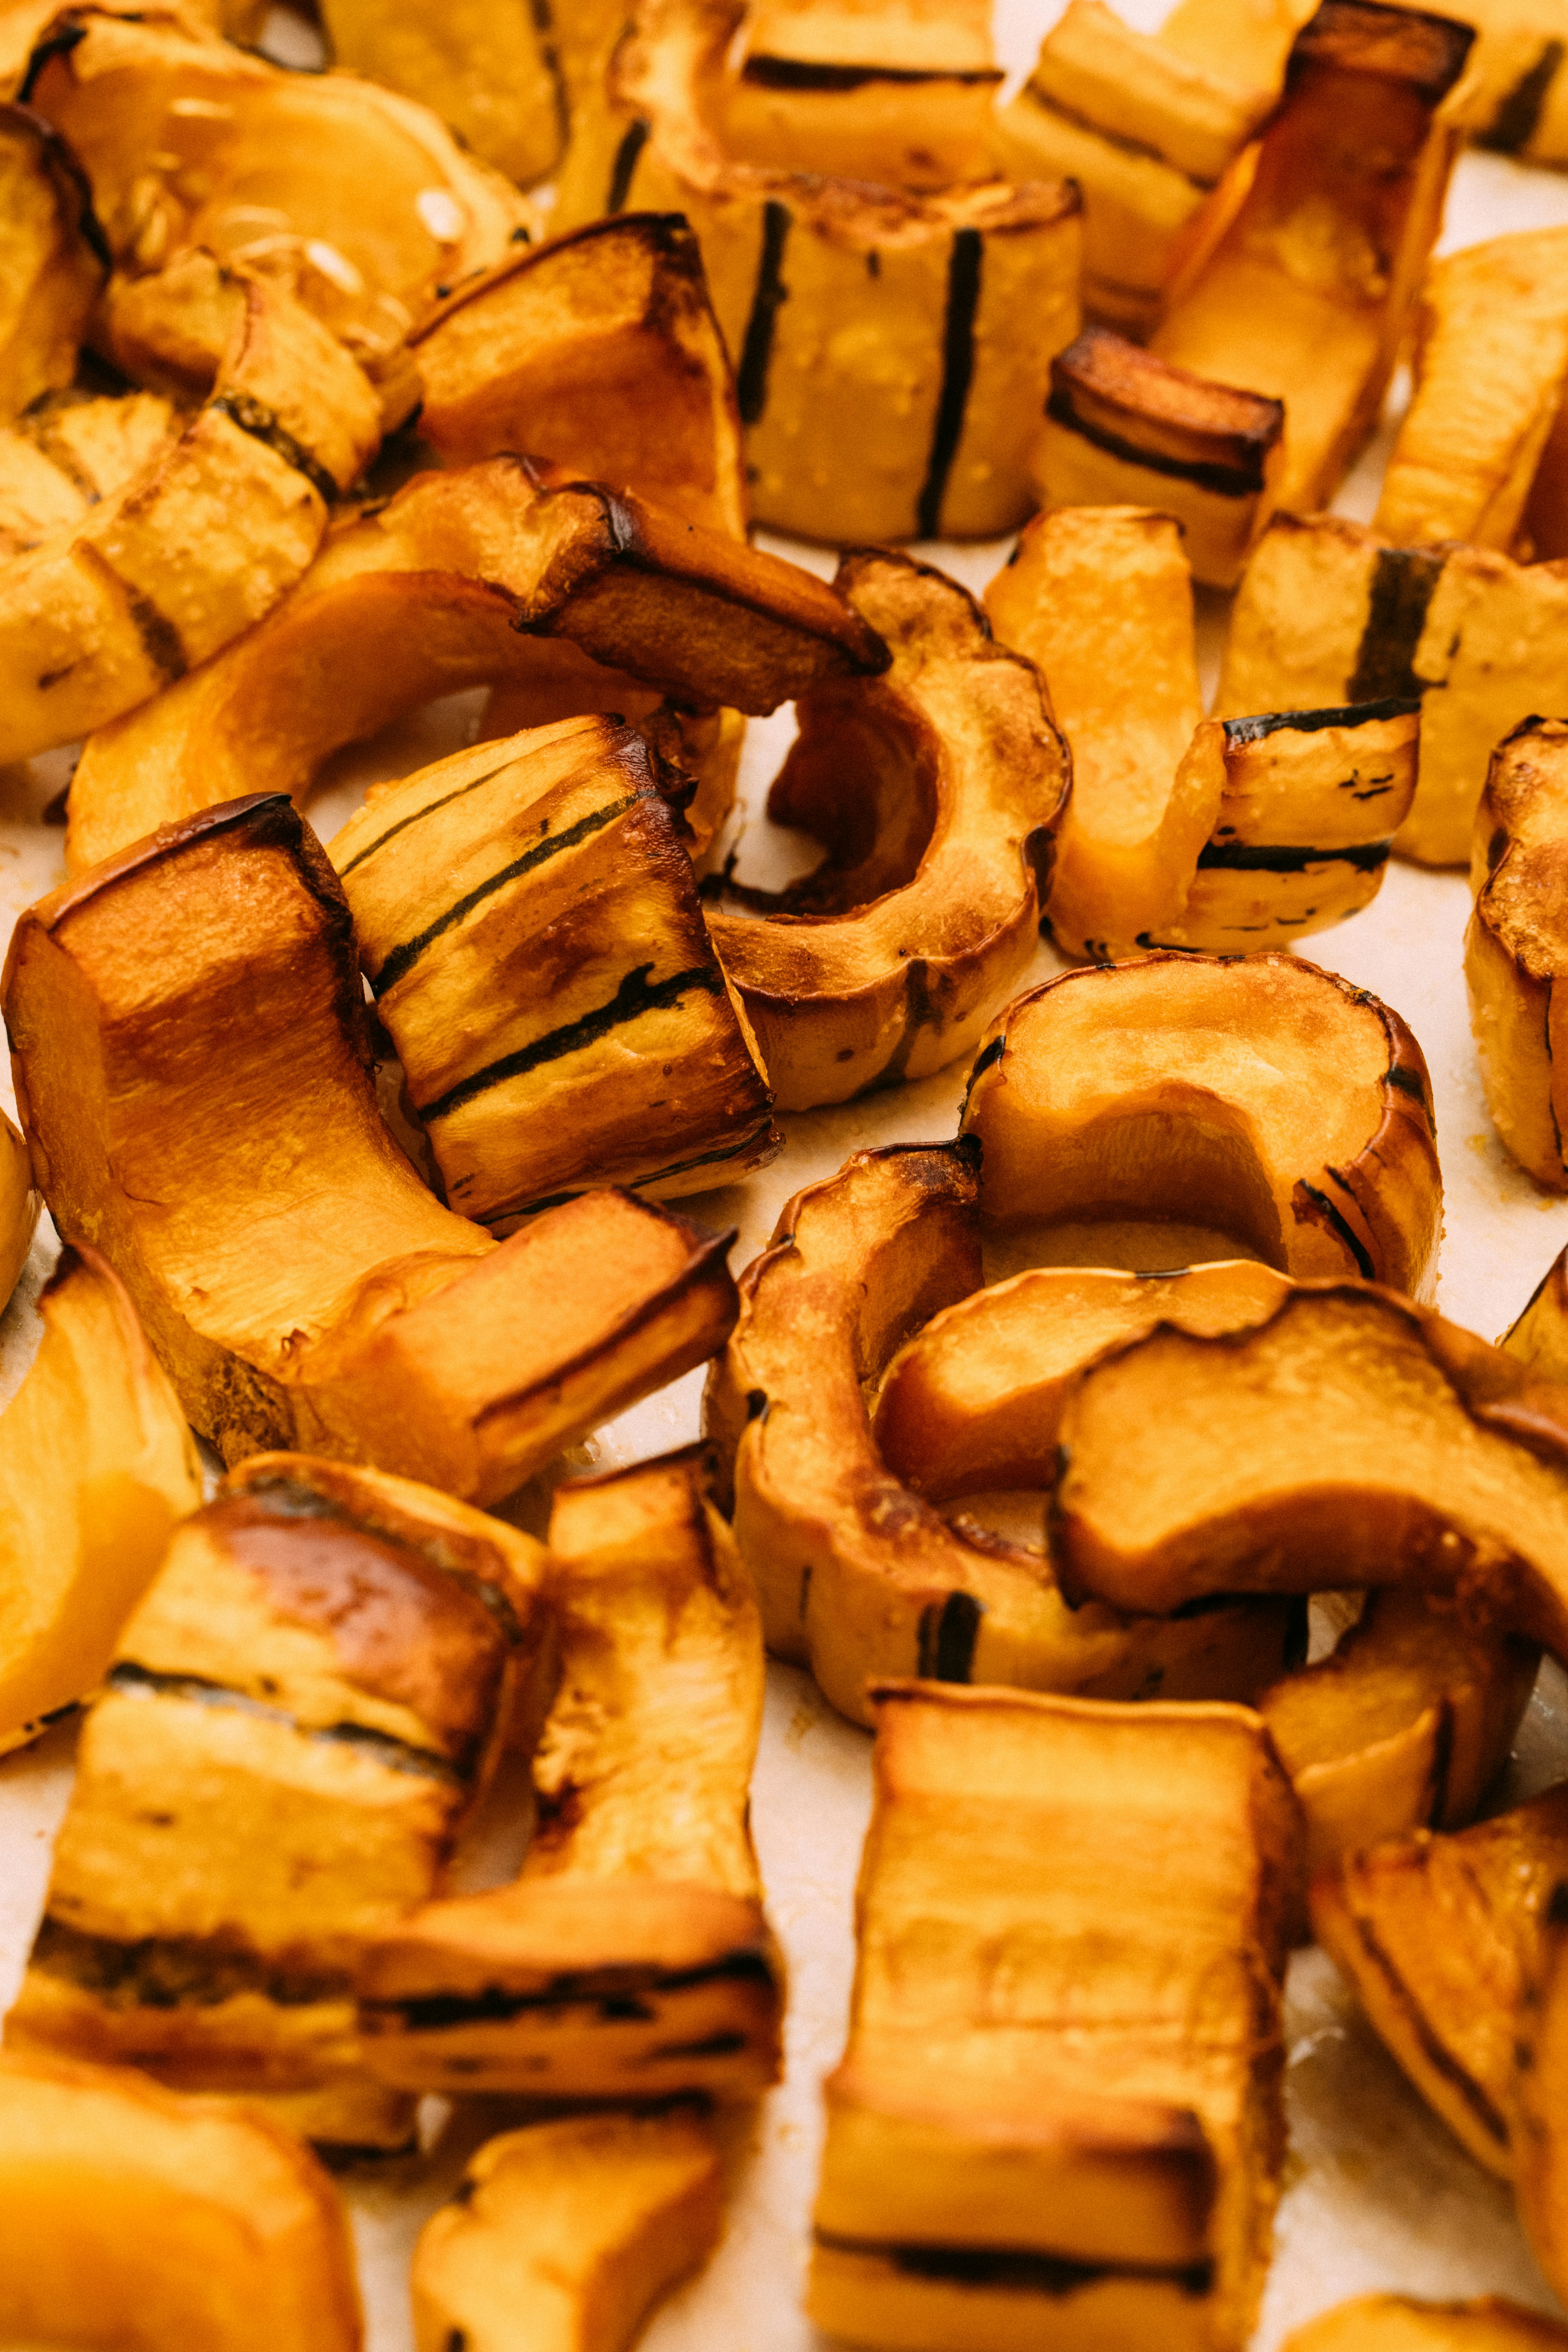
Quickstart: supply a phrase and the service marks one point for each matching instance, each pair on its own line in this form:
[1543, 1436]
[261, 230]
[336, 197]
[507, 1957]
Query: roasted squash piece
[497, 571]
[568, 2234]
[1122, 427]
[1182, 831]
[900, 93]
[857, 1575]
[210, 531]
[136, 2217]
[891, 349]
[388, 1331]
[1516, 946]
[1397, 2322]
[1329, 613]
[884, 962]
[53, 259]
[1442, 1938]
[529, 922]
[1492, 362]
[489, 70]
[1258, 1096]
[1538, 1334]
[1403, 1727]
[69, 451]
[1540, 2180]
[1249, 37]
[1058, 2113]
[359, 202]
[302, 1710]
[97, 1465]
[632, 1959]
[1147, 134]
[1353, 1439]
[19, 1206]
[601, 350]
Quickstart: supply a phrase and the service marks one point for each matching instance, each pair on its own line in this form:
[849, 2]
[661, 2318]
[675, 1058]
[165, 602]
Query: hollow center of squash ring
[860, 779]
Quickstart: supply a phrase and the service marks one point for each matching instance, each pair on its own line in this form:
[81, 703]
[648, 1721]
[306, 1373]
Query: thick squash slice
[1057, 2117]
[1259, 1096]
[53, 259]
[632, 1959]
[885, 962]
[497, 571]
[137, 2218]
[487, 67]
[70, 450]
[857, 1575]
[197, 1117]
[529, 922]
[1516, 949]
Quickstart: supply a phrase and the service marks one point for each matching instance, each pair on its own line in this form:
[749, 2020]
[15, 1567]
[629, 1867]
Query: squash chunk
[487, 67]
[208, 1121]
[53, 260]
[528, 921]
[19, 1206]
[1353, 1439]
[565, 2235]
[69, 451]
[1261, 1096]
[301, 1711]
[857, 1575]
[972, 1403]
[1405, 1727]
[599, 349]
[1541, 2157]
[1442, 1938]
[885, 962]
[96, 1466]
[1538, 1334]
[1516, 948]
[1329, 613]
[136, 2217]
[891, 349]
[1058, 2113]
[501, 571]
[632, 1959]
[1397, 2322]
[1147, 134]
[213, 526]
[1491, 360]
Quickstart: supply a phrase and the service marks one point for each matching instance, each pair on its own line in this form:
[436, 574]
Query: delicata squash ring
[211, 531]
[451, 584]
[857, 1575]
[883, 963]
[1254, 1093]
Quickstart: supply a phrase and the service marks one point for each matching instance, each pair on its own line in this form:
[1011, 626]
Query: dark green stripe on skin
[401, 959]
[132, 1681]
[1017, 2269]
[254, 416]
[720, 1158]
[1517, 117]
[947, 1637]
[1404, 580]
[768, 296]
[1144, 148]
[963, 274]
[1240, 731]
[631, 1000]
[626, 157]
[1225, 481]
[161, 640]
[1261, 857]
[799, 73]
[166, 1973]
[621, 1995]
[504, 759]
[1326, 1209]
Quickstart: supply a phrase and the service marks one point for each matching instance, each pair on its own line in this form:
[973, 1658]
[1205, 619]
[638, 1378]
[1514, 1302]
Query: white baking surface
[1378, 2195]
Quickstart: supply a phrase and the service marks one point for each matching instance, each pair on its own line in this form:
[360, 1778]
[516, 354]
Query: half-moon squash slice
[53, 260]
[1516, 948]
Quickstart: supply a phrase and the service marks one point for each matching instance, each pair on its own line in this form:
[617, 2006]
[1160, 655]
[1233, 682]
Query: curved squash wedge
[1516, 948]
[857, 1575]
[1538, 1334]
[19, 1205]
[1353, 1439]
[529, 922]
[70, 450]
[197, 1119]
[884, 962]
[141, 2218]
[1540, 2155]
[453, 583]
[1258, 1096]
[487, 67]
[212, 531]
[97, 1466]
[601, 350]
[1398, 2323]
[53, 259]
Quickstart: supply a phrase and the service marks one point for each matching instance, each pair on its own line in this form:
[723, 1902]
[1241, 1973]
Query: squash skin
[391, 1332]
[599, 349]
[857, 1575]
[1100, 2152]
[53, 261]
[884, 963]
[561, 1017]
[1516, 948]
[69, 451]
[97, 617]
[165, 2219]
[572, 2230]
[453, 583]
[642, 1877]
[1355, 1186]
